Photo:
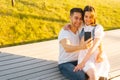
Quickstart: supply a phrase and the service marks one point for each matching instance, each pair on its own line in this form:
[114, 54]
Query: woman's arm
[95, 45]
[99, 57]
[67, 26]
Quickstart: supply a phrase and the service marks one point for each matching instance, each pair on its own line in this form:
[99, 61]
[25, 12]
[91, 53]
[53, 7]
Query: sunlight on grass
[39, 20]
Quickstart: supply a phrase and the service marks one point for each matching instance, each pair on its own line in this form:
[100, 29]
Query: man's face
[76, 19]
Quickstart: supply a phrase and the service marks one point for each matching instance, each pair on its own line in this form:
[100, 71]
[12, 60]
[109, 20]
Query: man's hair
[76, 10]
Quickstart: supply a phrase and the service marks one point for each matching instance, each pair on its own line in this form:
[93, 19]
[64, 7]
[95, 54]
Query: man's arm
[68, 46]
[72, 48]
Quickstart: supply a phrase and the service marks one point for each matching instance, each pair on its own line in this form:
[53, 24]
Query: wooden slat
[4, 54]
[14, 61]
[114, 74]
[17, 65]
[54, 77]
[10, 57]
[24, 67]
[38, 74]
[26, 72]
[50, 76]
[116, 78]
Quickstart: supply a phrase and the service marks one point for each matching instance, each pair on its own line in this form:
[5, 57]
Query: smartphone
[87, 35]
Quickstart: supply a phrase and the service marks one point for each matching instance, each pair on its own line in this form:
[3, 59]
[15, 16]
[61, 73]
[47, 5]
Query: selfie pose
[93, 61]
[70, 45]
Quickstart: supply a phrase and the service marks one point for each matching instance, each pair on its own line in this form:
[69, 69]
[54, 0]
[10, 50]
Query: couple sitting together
[81, 56]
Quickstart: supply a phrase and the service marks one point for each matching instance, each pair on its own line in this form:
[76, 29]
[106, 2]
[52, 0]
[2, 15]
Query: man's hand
[86, 44]
[67, 26]
[79, 67]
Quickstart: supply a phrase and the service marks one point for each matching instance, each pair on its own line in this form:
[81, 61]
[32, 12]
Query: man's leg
[67, 70]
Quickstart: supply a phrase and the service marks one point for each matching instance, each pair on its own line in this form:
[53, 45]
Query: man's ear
[70, 18]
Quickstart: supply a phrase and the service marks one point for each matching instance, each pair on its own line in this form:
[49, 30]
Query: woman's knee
[92, 74]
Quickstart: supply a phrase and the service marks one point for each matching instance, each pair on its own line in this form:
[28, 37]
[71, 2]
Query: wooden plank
[37, 74]
[17, 65]
[116, 78]
[10, 57]
[50, 76]
[8, 71]
[114, 60]
[27, 72]
[23, 68]
[15, 61]
[114, 74]
[4, 54]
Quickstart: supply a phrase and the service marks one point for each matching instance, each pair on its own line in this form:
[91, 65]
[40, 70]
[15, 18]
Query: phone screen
[87, 35]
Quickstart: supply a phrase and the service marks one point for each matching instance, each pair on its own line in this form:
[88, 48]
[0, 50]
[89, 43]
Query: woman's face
[89, 17]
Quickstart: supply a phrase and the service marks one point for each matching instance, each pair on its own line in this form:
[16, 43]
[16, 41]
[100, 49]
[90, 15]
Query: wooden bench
[38, 61]
[15, 67]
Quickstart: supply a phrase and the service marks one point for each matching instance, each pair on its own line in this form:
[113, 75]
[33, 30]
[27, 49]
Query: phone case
[87, 35]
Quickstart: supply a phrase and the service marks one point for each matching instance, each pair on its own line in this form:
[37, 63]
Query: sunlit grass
[39, 20]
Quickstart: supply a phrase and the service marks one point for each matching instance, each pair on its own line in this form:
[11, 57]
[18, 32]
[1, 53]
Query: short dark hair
[76, 10]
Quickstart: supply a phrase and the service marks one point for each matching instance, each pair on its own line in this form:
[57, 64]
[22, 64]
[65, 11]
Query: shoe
[103, 78]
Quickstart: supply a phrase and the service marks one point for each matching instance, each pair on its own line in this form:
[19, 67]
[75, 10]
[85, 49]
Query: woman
[93, 60]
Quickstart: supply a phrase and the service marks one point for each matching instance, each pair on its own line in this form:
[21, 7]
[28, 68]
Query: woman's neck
[90, 24]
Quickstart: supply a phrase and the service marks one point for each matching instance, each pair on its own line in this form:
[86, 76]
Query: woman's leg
[92, 74]
[67, 70]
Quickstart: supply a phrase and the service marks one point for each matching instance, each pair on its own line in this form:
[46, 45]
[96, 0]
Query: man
[69, 45]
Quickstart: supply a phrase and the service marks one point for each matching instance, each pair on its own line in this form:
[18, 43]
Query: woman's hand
[99, 58]
[67, 27]
[79, 67]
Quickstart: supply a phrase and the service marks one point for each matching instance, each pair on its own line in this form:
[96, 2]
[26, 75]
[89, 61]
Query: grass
[39, 20]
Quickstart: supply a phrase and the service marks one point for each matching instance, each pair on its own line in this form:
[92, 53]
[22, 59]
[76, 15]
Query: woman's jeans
[67, 70]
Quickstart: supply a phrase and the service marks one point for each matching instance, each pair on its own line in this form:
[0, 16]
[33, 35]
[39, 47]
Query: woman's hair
[90, 9]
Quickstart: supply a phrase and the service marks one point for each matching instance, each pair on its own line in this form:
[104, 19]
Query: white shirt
[74, 39]
[99, 32]
[102, 67]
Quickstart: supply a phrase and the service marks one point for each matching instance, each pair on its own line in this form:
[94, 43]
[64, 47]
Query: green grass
[39, 20]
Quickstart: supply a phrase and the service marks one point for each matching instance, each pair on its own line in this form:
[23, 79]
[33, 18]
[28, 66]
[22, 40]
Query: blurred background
[28, 21]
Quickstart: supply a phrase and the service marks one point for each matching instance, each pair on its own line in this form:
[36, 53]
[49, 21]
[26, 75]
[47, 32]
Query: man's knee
[74, 75]
[67, 70]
